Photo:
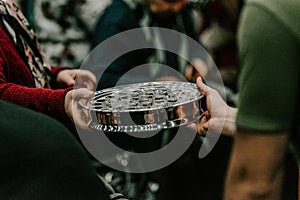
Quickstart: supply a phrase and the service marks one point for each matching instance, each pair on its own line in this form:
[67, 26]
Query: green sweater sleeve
[269, 71]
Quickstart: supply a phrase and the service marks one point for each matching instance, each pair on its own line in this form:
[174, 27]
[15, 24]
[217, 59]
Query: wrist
[68, 104]
[230, 119]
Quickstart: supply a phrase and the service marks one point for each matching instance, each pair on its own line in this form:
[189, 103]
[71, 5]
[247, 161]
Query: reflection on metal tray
[144, 107]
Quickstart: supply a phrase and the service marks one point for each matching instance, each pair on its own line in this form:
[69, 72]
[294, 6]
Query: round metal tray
[149, 106]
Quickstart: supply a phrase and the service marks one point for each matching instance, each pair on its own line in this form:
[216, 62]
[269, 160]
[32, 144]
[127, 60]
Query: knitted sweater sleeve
[17, 85]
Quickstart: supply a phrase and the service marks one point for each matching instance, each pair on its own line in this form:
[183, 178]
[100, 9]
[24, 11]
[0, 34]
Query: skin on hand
[81, 117]
[163, 9]
[219, 116]
[198, 68]
[78, 78]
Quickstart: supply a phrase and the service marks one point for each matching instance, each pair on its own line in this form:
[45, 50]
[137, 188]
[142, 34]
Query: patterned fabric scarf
[26, 42]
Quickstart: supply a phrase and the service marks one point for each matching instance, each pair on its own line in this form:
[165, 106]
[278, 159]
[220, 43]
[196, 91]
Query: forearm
[47, 101]
[256, 167]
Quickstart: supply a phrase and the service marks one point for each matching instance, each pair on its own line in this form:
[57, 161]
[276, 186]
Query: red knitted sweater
[17, 83]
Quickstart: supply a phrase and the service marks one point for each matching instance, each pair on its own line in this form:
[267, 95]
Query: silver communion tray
[141, 107]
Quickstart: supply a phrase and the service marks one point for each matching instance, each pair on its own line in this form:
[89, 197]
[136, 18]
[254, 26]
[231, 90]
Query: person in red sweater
[27, 80]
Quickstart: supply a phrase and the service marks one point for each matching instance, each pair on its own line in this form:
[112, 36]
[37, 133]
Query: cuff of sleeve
[54, 73]
[58, 109]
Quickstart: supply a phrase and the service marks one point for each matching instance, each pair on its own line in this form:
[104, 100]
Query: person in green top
[265, 124]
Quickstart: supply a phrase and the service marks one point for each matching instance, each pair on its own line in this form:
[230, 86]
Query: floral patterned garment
[64, 28]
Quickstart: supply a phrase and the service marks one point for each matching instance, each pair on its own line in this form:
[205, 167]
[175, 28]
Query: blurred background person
[123, 15]
[219, 39]
[220, 42]
[64, 27]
